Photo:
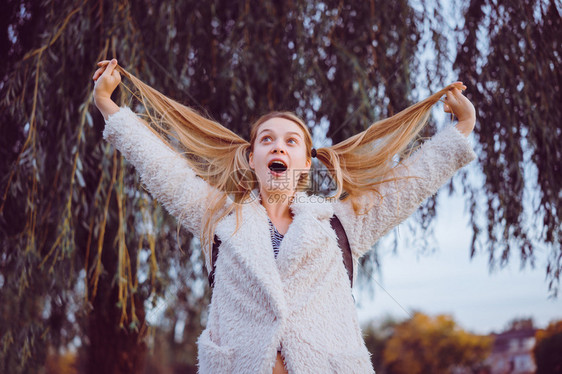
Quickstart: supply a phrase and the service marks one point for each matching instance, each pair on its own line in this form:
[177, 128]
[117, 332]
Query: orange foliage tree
[424, 344]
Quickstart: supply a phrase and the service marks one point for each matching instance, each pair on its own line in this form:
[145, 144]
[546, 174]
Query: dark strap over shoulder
[215, 255]
[343, 243]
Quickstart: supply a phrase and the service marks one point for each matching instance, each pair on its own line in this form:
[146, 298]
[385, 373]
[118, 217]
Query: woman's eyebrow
[289, 132]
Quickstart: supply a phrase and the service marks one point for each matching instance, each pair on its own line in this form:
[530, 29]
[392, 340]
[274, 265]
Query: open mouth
[277, 166]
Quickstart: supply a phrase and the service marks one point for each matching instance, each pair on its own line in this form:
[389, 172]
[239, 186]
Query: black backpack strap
[215, 255]
[343, 243]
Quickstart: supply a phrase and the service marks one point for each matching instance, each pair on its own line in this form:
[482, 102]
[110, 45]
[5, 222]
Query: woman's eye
[293, 140]
[265, 137]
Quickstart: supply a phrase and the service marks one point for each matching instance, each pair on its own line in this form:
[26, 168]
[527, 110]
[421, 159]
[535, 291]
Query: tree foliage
[425, 344]
[84, 249]
[510, 57]
[376, 336]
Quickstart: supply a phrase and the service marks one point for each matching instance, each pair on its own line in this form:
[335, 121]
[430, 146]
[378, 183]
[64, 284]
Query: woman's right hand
[106, 79]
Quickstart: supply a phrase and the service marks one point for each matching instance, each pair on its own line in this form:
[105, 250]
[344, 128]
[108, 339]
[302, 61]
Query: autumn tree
[424, 344]
[547, 349]
[376, 336]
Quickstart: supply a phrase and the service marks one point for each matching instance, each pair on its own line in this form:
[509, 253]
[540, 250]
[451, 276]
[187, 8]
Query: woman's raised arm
[425, 171]
[165, 172]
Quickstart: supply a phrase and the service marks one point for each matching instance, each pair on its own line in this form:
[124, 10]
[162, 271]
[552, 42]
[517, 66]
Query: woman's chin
[278, 187]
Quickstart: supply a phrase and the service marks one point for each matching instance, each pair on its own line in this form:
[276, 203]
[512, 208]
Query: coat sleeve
[431, 165]
[165, 173]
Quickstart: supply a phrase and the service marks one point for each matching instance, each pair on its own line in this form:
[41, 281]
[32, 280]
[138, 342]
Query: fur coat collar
[289, 300]
[252, 243]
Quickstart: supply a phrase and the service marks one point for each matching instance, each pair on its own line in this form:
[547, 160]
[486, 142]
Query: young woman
[282, 299]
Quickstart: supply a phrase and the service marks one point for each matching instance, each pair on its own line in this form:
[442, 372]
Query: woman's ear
[251, 160]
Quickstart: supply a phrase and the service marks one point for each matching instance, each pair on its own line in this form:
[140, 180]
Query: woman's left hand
[457, 104]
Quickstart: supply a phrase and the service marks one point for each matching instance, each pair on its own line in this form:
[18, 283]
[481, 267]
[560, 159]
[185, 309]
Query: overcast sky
[448, 282]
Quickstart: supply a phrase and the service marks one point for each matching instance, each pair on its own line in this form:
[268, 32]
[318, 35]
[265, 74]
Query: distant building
[512, 352]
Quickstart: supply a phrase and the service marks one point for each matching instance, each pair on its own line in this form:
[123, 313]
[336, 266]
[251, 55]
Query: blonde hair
[220, 156]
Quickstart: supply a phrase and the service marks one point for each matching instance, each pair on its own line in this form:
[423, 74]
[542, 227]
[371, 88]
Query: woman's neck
[277, 203]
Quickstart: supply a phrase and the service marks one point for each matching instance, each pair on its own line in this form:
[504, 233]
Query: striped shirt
[276, 238]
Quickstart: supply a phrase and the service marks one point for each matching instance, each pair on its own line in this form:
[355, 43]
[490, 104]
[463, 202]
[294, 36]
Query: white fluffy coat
[303, 298]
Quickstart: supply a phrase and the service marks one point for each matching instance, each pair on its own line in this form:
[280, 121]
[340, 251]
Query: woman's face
[279, 155]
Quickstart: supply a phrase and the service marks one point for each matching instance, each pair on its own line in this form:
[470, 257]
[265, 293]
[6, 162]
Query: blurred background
[94, 276]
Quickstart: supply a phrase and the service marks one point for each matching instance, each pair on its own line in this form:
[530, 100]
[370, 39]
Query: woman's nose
[278, 148]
